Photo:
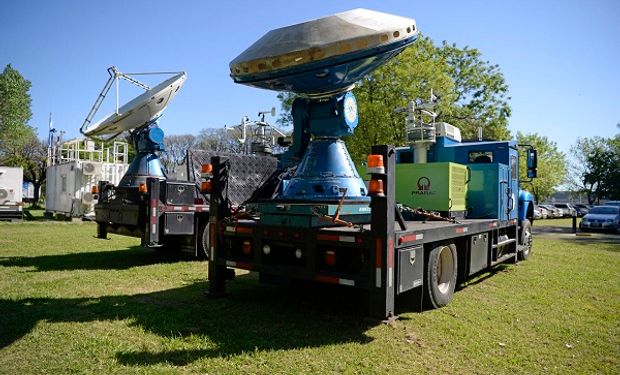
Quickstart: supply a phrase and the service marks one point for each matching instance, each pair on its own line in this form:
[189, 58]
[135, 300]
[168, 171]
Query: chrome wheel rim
[445, 269]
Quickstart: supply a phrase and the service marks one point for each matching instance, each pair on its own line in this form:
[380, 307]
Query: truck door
[504, 189]
[514, 184]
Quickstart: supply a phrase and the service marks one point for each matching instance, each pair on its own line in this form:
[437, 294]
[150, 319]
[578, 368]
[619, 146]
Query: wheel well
[530, 212]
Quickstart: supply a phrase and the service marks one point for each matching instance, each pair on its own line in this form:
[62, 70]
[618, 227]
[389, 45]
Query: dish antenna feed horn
[140, 118]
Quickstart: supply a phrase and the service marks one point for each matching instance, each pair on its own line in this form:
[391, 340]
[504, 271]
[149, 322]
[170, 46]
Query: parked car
[612, 203]
[537, 214]
[601, 218]
[582, 209]
[567, 209]
[543, 212]
[554, 212]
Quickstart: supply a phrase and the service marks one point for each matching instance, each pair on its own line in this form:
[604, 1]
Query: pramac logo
[424, 184]
[424, 187]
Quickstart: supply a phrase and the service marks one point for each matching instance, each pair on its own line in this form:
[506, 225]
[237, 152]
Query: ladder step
[504, 243]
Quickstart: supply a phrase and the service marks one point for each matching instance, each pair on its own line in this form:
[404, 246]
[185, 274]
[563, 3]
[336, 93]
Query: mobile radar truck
[429, 215]
[432, 213]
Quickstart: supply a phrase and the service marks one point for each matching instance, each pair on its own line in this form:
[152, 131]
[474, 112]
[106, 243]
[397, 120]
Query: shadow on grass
[134, 256]
[598, 239]
[253, 318]
[485, 274]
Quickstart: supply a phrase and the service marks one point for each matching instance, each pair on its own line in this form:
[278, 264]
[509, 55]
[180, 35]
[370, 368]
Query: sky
[561, 59]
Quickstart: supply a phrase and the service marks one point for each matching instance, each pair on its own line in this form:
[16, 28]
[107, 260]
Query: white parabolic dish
[140, 110]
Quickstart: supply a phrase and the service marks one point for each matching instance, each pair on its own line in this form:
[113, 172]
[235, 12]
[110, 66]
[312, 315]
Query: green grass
[70, 303]
[565, 222]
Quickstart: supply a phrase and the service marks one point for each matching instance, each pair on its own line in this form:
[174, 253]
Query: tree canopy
[19, 145]
[595, 168]
[551, 165]
[15, 113]
[471, 93]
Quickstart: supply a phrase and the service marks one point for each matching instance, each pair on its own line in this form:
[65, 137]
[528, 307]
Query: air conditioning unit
[444, 129]
[91, 169]
[90, 198]
[6, 195]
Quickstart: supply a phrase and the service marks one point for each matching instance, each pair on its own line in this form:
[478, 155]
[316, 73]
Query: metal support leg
[217, 211]
[152, 230]
[382, 295]
[102, 231]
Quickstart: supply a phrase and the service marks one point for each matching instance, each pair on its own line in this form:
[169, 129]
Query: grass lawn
[70, 303]
[565, 222]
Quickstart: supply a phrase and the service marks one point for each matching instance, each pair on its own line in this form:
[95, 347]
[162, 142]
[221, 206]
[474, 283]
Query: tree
[30, 154]
[176, 149]
[218, 140]
[19, 145]
[409, 76]
[209, 139]
[595, 168]
[551, 165]
[34, 153]
[15, 111]
[481, 93]
[471, 93]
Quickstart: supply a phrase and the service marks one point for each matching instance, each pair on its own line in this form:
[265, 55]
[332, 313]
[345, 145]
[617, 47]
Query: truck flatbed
[387, 257]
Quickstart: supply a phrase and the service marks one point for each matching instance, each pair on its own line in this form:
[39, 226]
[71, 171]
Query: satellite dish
[139, 111]
[325, 55]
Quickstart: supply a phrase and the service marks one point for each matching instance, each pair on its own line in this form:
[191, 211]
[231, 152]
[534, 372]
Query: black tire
[441, 272]
[526, 240]
[202, 252]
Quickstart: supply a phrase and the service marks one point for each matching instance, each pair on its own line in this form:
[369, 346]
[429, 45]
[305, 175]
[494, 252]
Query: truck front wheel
[441, 274]
[526, 240]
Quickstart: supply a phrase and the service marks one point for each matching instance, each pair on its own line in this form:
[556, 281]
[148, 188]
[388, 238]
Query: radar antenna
[139, 117]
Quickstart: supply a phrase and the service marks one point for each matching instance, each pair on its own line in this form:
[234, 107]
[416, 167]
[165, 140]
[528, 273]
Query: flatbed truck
[390, 258]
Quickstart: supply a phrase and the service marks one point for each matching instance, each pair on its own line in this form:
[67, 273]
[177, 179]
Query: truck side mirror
[532, 163]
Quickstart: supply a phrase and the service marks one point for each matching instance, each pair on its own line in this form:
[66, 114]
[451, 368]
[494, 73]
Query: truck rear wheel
[526, 240]
[441, 272]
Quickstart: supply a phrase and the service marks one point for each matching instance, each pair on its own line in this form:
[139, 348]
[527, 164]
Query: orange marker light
[376, 187]
[375, 164]
[206, 168]
[330, 258]
[95, 189]
[247, 247]
[205, 187]
[142, 188]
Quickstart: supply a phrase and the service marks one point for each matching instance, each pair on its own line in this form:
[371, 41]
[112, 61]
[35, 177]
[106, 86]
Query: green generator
[440, 187]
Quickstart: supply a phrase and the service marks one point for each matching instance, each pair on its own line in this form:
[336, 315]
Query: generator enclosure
[11, 179]
[69, 185]
[438, 187]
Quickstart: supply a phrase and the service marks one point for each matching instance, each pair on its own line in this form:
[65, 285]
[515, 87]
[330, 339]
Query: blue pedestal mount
[147, 140]
[326, 171]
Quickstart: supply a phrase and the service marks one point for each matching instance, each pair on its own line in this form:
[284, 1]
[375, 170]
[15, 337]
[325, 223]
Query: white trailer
[69, 186]
[11, 206]
[76, 167]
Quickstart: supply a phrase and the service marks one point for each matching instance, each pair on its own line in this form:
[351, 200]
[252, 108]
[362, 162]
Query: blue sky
[561, 59]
